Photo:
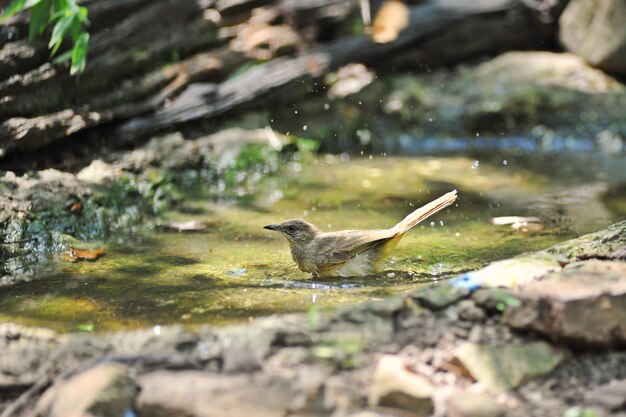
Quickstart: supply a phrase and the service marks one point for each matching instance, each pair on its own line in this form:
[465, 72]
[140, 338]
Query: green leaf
[39, 15]
[82, 14]
[63, 57]
[58, 33]
[15, 7]
[86, 327]
[79, 54]
[31, 3]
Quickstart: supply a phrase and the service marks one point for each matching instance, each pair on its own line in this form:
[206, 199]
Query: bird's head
[296, 231]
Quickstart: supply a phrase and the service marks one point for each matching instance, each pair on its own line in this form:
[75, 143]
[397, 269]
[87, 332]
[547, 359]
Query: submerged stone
[500, 368]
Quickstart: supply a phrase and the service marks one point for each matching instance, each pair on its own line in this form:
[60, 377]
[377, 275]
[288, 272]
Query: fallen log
[428, 22]
[197, 87]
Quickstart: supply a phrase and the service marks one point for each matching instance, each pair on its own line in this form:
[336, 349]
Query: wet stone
[105, 390]
[395, 386]
[437, 297]
[585, 303]
[500, 368]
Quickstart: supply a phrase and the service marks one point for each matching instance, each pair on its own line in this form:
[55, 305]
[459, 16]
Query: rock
[618, 254]
[469, 404]
[440, 296]
[105, 390]
[517, 271]
[599, 244]
[596, 30]
[500, 368]
[371, 413]
[611, 396]
[585, 303]
[394, 386]
[244, 347]
[24, 350]
[516, 89]
[204, 394]
[468, 310]
[97, 172]
[344, 392]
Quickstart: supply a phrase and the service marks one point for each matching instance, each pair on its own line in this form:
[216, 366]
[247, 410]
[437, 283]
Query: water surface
[235, 270]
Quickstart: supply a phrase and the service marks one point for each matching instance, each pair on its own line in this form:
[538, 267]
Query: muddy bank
[452, 348]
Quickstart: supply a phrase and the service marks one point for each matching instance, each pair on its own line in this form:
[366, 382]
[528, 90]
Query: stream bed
[230, 269]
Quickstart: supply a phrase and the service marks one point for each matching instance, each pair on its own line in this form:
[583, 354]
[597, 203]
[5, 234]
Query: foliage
[68, 19]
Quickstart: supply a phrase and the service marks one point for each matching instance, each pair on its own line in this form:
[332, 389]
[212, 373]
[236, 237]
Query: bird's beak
[271, 227]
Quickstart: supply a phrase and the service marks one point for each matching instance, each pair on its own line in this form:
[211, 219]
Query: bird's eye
[290, 229]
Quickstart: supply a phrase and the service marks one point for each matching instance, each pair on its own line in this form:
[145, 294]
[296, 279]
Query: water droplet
[236, 272]
[437, 269]
[432, 224]
[441, 223]
[295, 111]
[477, 134]
[505, 162]
[305, 127]
[326, 106]
[475, 164]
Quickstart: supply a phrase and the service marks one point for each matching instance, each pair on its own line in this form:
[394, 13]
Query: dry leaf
[74, 255]
[392, 17]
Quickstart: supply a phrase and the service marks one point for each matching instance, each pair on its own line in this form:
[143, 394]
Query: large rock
[105, 390]
[395, 386]
[585, 303]
[500, 368]
[596, 30]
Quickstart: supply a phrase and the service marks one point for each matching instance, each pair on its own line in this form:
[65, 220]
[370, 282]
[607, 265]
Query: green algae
[235, 270]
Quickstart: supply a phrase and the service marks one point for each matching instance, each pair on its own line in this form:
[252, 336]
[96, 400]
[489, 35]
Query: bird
[349, 253]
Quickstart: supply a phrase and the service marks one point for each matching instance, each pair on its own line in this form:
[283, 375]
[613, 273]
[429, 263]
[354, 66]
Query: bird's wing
[338, 247]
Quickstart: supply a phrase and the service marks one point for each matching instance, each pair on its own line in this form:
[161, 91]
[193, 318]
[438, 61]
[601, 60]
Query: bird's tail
[425, 211]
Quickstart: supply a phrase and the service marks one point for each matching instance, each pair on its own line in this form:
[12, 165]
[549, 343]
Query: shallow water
[235, 270]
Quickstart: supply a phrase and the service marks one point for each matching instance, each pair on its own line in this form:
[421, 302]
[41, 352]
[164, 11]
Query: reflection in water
[235, 270]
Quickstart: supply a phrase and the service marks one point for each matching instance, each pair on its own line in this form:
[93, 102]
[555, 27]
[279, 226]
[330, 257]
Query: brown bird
[349, 253]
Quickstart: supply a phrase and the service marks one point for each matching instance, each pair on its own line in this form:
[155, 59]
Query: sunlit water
[235, 270]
